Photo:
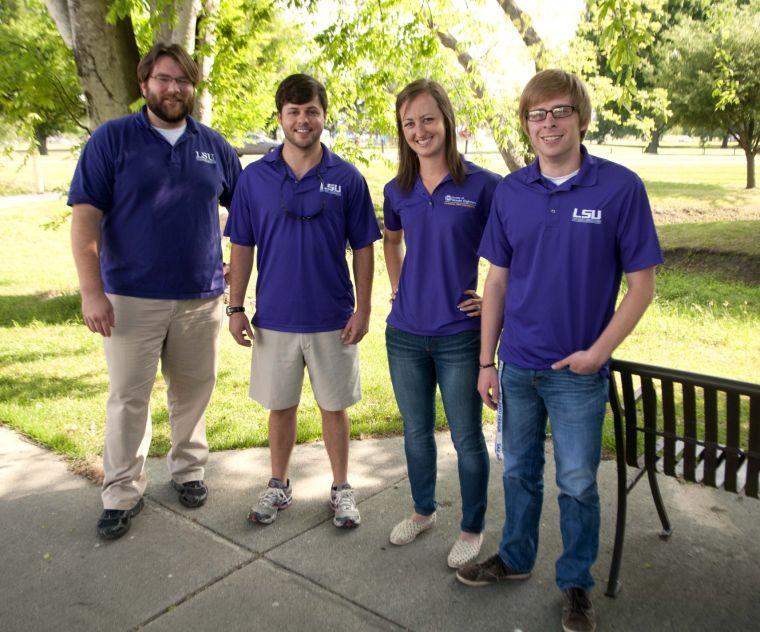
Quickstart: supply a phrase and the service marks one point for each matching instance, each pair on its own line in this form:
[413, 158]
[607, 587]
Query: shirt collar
[586, 177]
[329, 159]
[142, 119]
[469, 169]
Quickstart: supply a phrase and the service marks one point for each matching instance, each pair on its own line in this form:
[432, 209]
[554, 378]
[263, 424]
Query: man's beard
[158, 107]
[306, 143]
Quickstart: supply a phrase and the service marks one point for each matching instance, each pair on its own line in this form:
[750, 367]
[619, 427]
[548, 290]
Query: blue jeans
[416, 364]
[576, 405]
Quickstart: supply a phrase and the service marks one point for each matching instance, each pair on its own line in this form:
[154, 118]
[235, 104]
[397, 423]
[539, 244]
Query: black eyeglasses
[183, 83]
[558, 112]
[300, 215]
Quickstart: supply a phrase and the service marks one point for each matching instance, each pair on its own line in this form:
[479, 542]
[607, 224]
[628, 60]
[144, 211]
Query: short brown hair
[177, 53]
[555, 83]
[408, 162]
[300, 89]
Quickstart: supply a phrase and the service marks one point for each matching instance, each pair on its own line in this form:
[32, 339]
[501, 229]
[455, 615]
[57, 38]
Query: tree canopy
[712, 66]
[625, 49]
[39, 89]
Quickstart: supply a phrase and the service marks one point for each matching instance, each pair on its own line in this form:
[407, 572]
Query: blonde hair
[555, 83]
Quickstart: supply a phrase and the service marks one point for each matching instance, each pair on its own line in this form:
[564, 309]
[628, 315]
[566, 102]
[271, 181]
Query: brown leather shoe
[577, 612]
[492, 571]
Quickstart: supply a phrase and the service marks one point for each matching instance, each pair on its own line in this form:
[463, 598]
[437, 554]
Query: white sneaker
[343, 503]
[407, 530]
[464, 552]
[276, 497]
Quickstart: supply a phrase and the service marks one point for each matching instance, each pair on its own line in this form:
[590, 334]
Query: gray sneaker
[577, 611]
[276, 496]
[343, 503]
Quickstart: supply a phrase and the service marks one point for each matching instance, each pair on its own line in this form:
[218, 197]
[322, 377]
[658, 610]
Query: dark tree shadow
[8, 358]
[725, 266]
[40, 307]
[38, 386]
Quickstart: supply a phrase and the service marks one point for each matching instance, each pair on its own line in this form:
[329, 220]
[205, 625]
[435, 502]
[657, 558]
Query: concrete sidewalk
[209, 570]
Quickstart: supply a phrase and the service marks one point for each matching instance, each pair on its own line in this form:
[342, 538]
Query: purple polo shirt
[566, 248]
[160, 204]
[303, 282]
[442, 231]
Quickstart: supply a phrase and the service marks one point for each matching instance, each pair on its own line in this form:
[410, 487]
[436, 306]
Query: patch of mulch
[90, 468]
[664, 214]
[726, 266]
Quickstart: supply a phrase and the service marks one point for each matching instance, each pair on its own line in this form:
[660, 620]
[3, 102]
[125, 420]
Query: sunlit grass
[53, 379]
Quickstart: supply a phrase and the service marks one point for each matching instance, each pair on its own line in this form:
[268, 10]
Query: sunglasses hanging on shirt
[289, 208]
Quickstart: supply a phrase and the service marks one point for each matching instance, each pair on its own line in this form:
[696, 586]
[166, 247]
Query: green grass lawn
[687, 186]
[53, 380]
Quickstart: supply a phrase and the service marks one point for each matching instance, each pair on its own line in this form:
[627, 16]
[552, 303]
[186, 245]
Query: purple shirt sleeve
[232, 171]
[495, 246]
[239, 226]
[93, 179]
[361, 224]
[636, 235]
[391, 219]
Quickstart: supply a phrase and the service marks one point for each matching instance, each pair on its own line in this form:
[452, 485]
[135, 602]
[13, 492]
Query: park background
[676, 78]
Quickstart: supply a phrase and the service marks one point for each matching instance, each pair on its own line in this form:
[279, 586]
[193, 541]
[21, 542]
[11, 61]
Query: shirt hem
[460, 328]
[166, 296]
[298, 329]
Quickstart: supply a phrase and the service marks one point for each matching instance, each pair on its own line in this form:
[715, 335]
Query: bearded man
[147, 246]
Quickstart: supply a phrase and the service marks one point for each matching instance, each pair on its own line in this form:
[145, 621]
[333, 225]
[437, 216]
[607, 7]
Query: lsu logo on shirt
[205, 156]
[331, 189]
[459, 200]
[587, 216]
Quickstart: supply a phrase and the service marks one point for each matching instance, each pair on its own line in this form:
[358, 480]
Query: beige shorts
[277, 369]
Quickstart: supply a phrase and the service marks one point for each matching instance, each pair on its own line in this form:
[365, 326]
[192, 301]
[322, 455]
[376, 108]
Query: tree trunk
[750, 155]
[39, 177]
[654, 142]
[178, 27]
[40, 138]
[206, 28]
[724, 143]
[106, 56]
[59, 11]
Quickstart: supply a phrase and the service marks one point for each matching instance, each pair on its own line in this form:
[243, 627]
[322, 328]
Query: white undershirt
[557, 180]
[171, 135]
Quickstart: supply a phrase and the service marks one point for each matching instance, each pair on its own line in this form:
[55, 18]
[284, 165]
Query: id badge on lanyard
[498, 449]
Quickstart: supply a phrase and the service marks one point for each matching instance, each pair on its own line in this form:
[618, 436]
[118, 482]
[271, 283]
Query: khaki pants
[184, 334]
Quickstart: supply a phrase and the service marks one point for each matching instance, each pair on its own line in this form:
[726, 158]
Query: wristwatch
[234, 310]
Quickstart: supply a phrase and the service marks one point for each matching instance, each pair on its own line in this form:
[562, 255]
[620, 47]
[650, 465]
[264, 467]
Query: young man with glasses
[561, 233]
[300, 207]
[147, 247]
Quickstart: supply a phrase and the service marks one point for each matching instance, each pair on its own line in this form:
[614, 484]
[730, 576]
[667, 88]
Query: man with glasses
[561, 233]
[147, 246]
[300, 207]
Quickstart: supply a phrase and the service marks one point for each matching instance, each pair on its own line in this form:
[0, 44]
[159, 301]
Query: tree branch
[524, 25]
[508, 151]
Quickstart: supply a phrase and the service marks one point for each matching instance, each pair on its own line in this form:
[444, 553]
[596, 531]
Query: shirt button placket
[552, 217]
